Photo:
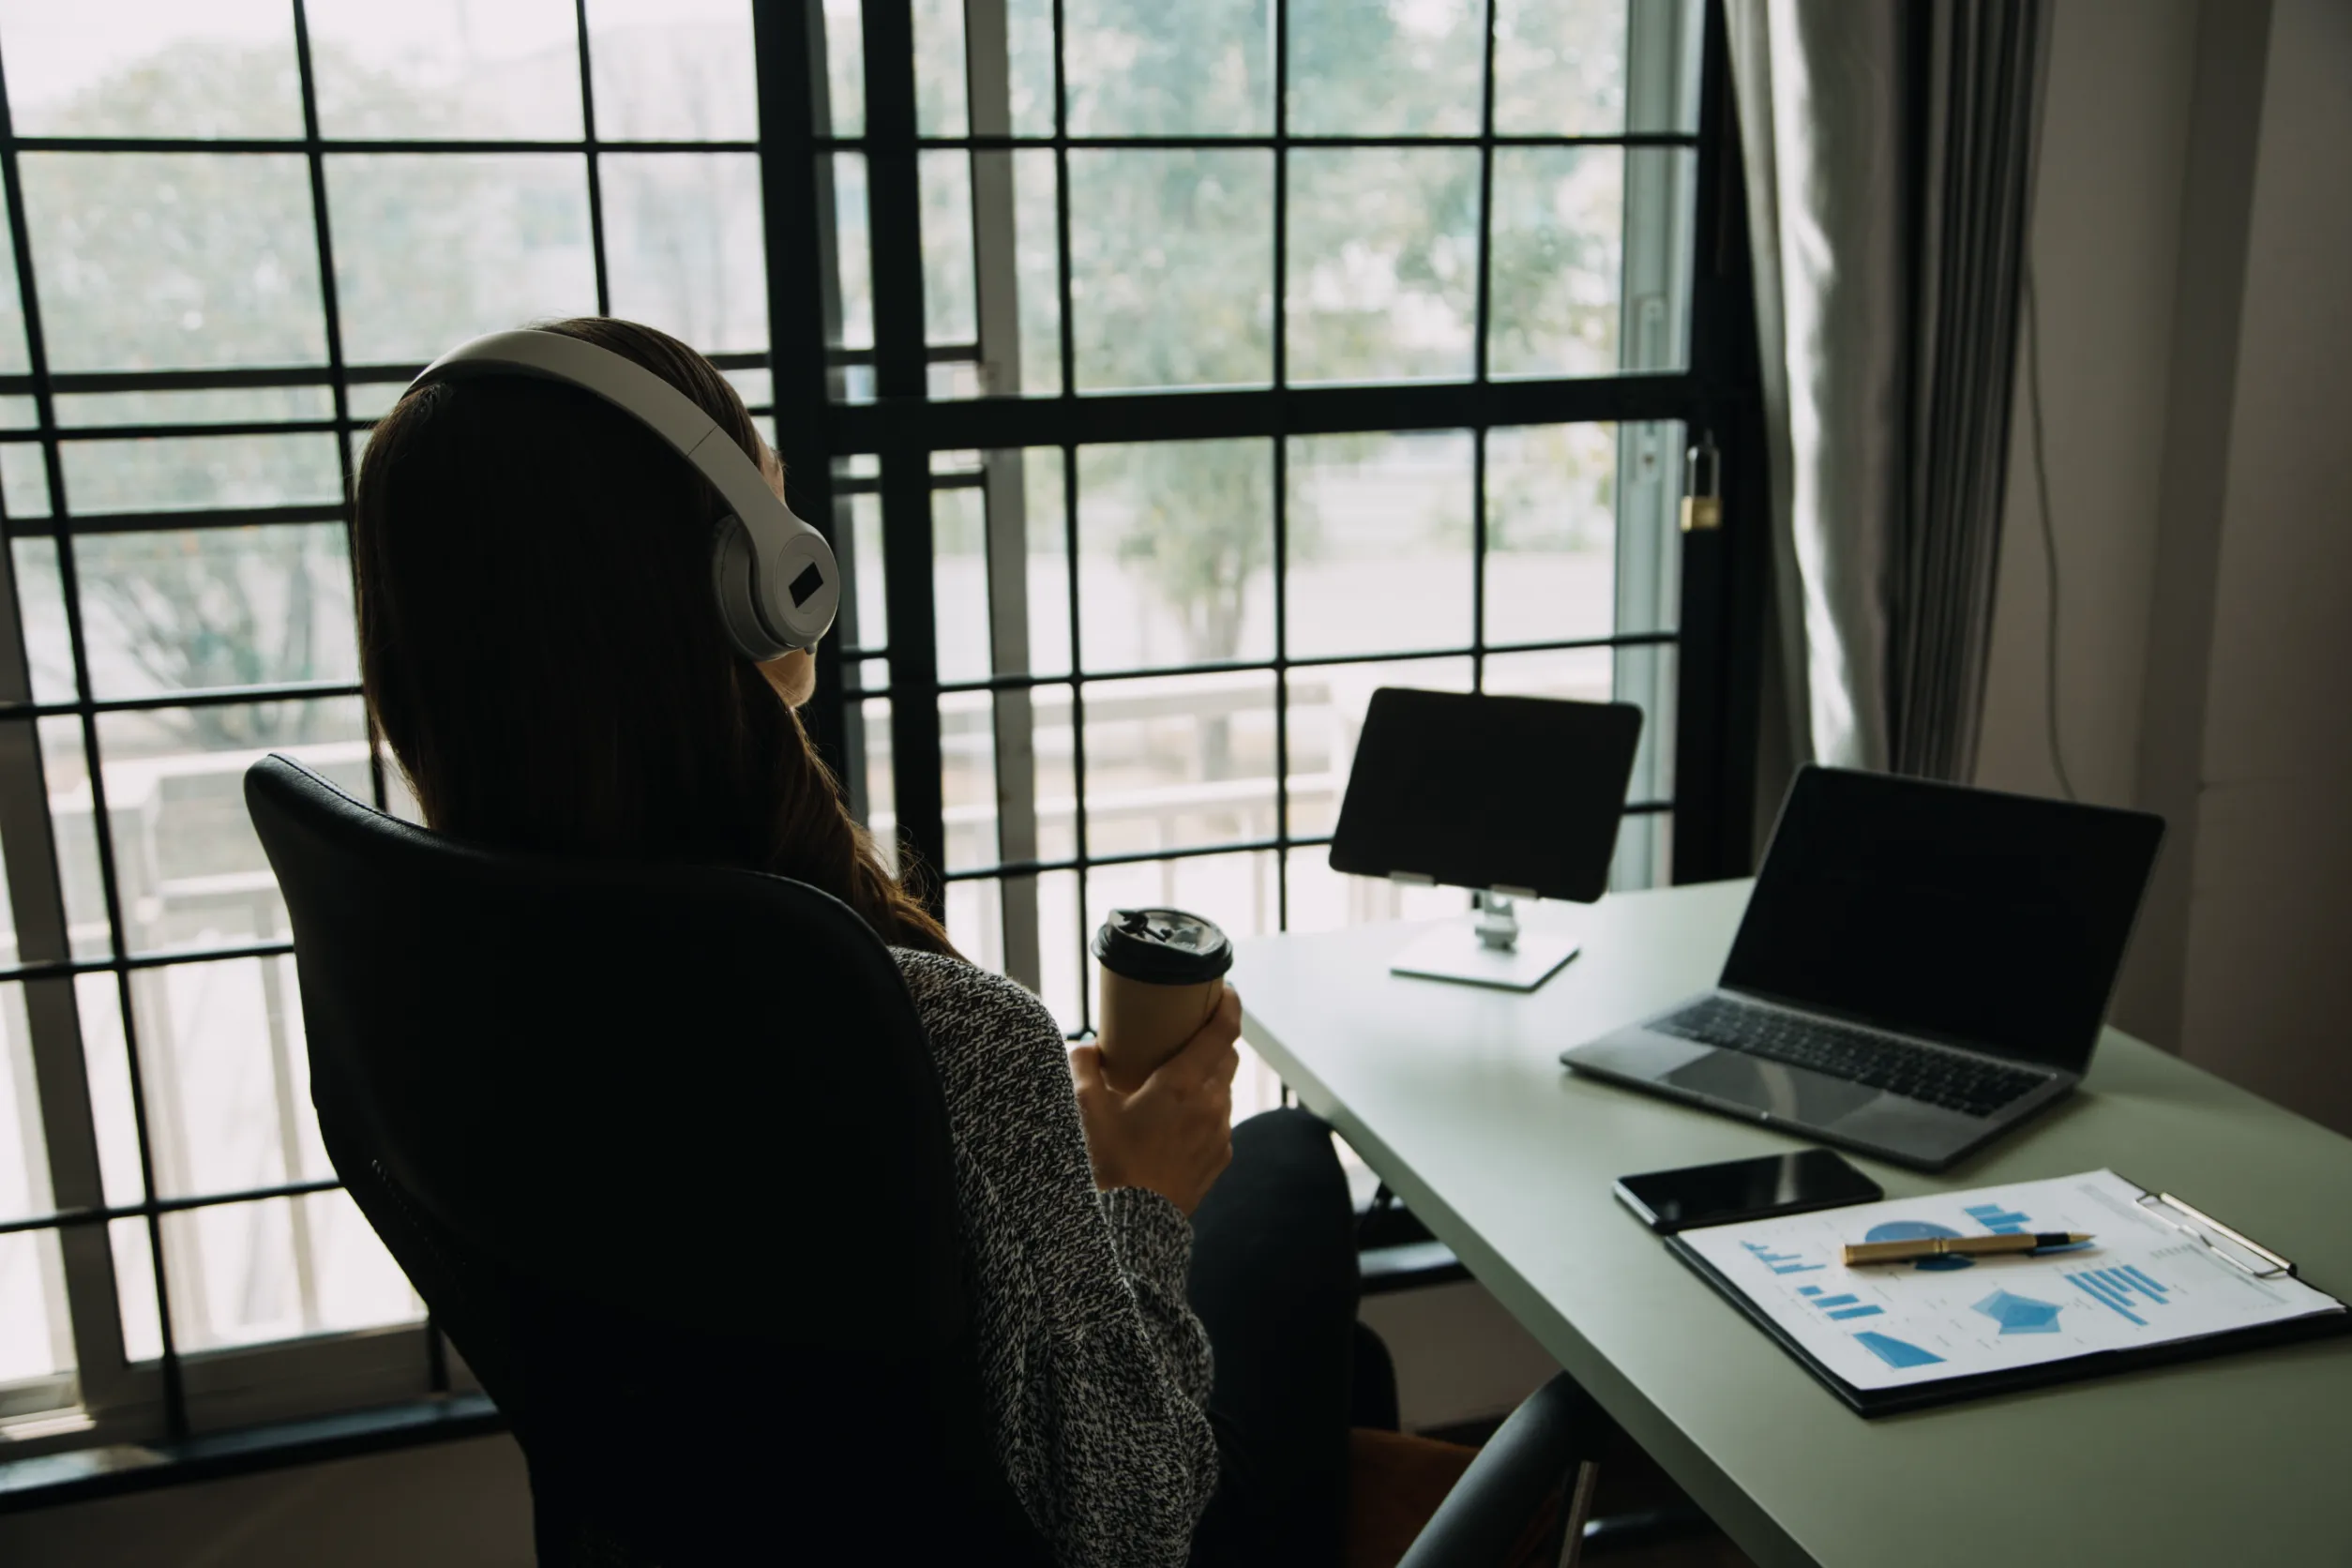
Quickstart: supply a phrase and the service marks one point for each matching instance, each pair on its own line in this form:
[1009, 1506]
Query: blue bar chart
[2126, 1292]
[1779, 1262]
[1998, 1220]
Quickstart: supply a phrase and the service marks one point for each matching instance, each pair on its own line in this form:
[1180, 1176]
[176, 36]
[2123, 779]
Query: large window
[1171, 376]
[1197, 370]
[236, 227]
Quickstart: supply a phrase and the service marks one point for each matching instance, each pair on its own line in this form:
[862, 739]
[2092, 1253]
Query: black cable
[2049, 534]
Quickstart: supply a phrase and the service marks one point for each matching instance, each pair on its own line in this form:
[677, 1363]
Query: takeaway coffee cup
[1163, 971]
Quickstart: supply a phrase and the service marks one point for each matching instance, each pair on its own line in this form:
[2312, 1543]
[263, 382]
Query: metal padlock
[1702, 486]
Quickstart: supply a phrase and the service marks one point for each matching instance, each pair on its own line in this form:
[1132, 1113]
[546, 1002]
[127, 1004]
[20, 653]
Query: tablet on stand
[1511, 797]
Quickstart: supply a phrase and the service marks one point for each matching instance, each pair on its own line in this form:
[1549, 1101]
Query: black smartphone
[1698, 1195]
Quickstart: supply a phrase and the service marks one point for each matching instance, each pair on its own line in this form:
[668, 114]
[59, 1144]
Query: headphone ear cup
[732, 578]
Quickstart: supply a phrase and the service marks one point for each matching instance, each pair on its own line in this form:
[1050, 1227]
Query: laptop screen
[1993, 921]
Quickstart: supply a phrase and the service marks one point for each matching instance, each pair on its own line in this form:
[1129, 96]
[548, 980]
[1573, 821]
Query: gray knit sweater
[1095, 1368]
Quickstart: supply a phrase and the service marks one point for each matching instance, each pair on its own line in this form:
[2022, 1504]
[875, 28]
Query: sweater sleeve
[1096, 1369]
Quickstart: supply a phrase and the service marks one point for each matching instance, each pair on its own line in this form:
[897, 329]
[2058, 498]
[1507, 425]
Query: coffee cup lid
[1165, 947]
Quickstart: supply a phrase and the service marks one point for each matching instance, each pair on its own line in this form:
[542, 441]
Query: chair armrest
[1523, 1465]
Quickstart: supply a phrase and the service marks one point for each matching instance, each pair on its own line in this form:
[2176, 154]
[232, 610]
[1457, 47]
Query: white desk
[1456, 1098]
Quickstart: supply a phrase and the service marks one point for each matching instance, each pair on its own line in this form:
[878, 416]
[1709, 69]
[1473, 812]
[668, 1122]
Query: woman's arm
[1095, 1365]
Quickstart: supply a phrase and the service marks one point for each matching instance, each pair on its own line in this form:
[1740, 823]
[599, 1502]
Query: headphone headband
[776, 578]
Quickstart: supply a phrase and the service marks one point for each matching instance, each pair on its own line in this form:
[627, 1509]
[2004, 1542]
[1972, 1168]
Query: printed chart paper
[2142, 1282]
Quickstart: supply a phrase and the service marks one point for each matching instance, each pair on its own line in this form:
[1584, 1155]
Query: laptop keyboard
[1938, 1077]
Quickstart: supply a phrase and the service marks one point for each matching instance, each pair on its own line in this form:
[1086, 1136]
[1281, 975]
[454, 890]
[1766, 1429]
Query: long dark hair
[539, 641]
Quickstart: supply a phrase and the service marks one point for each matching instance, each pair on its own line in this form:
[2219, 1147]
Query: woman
[497, 517]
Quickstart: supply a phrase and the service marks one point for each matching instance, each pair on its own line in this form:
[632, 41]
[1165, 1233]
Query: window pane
[1028, 59]
[881, 811]
[224, 405]
[447, 69]
[940, 107]
[222, 68]
[1560, 67]
[245, 1273]
[1551, 533]
[1326, 705]
[174, 261]
[1386, 67]
[959, 592]
[853, 253]
[24, 480]
[36, 1337]
[23, 1150]
[191, 871]
[431, 249]
[1037, 269]
[1142, 68]
[871, 585]
[1379, 543]
[40, 603]
[1178, 761]
[106, 1057]
[1045, 525]
[1171, 268]
[1176, 553]
[673, 70]
[1062, 956]
[1554, 280]
[1055, 752]
[1383, 263]
[968, 779]
[371, 399]
[176, 473]
[949, 312]
[65, 770]
[682, 248]
[357, 1284]
[21, 412]
[975, 921]
[845, 65]
[225, 1074]
[216, 607]
[1580, 675]
[134, 1289]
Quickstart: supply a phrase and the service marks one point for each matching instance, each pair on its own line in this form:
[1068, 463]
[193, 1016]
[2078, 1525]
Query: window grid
[902, 424]
[904, 428]
[111, 1384]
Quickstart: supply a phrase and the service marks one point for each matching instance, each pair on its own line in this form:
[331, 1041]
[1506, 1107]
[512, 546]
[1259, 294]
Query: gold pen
[1973, 1246]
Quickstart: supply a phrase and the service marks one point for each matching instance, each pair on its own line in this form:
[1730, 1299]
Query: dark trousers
[1273, 1280]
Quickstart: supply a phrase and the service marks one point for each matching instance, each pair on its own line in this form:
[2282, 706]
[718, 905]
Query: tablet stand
[1493, 949]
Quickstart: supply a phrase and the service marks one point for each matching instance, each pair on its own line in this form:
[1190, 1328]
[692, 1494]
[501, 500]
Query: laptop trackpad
[1785, 1094]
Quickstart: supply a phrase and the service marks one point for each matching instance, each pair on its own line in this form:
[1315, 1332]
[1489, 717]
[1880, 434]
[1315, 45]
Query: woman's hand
[1175, 1134]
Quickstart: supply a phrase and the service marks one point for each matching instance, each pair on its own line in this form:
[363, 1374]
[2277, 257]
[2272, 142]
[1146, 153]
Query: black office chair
[662, 1147]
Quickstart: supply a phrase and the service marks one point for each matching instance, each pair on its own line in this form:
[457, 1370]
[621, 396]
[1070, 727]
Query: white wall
[2106, 233]
[2192, 243]
[2268, 992]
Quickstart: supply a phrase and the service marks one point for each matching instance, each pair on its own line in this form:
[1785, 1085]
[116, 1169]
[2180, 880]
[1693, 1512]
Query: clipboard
[2224, 1244]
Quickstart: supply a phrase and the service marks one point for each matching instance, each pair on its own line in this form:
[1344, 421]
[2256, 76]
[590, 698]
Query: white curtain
[1888, 146]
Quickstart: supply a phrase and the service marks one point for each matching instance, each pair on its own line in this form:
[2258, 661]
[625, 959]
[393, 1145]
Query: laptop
[1921, 967]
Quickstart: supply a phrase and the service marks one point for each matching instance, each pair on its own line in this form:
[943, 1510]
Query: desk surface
[1454, 1097]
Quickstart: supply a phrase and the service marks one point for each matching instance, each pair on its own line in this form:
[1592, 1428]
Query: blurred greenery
[195, 259]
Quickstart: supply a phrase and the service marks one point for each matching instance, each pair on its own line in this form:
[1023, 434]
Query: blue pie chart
[1919, 1230]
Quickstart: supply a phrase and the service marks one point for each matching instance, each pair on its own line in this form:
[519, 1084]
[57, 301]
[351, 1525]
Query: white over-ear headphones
[777, 580]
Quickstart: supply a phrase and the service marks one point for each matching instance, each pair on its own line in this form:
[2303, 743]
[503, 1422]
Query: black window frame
[1718, 633]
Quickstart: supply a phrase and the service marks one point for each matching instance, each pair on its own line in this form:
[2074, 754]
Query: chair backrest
[663, 1149]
